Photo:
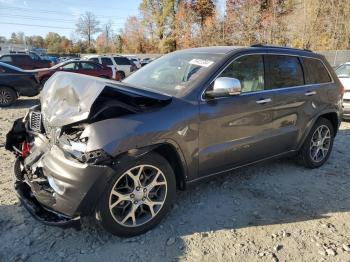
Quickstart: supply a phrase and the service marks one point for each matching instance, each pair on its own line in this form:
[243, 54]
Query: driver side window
[249, 70]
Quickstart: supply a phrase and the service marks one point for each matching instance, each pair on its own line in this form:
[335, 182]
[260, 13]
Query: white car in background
[119, 64]
[135, 60]
[343, 73]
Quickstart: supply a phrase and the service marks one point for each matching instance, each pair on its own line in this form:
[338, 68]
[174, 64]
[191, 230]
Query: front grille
[35, 121]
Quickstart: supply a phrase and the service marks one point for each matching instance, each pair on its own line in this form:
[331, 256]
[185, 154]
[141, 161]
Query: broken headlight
[72, 143]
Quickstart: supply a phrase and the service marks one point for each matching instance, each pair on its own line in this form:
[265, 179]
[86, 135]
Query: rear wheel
[318, 145]
[139, 196]
[44, 80]
[121, 74]
[7, 96]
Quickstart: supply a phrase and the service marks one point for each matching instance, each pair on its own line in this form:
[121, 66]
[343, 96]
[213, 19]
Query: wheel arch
[330, 115]
[167, 149]
[11, 87]
[333, 118]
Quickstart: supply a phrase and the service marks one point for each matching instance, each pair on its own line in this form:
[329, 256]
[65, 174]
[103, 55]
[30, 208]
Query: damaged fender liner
[41, 214]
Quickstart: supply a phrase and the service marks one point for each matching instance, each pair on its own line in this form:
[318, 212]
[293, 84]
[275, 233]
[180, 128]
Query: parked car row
[119, 151]
[343, 73]
[19, 69]
[122, 65]
[25, 61]
[15, 82]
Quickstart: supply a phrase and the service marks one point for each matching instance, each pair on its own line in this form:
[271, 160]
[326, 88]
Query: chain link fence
[336, 57]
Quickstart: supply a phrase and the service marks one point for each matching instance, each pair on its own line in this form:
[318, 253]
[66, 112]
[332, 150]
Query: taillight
[342, 89]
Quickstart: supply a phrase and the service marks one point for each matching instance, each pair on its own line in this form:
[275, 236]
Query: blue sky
[38, 17]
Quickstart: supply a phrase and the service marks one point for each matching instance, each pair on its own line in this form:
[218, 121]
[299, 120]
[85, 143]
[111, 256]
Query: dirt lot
[276, 211]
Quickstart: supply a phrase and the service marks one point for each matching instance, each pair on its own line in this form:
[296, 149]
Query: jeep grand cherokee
[119, 150]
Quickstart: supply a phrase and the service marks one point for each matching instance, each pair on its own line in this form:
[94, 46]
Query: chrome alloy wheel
[5, 97]
[138, 195]
[320, 143]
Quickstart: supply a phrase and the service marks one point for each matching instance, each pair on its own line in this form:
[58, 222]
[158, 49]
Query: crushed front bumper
[46, 216]
[55, 188]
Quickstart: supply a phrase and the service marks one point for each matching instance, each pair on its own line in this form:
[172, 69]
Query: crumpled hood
[68, 97]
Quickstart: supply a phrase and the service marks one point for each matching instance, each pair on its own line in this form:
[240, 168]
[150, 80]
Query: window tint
[22, 58]
[94, 59]
[90, 66]
[106, 61]
[249, 70]
[122, 61]
[6, 58]
[71, 66]
[34, 56]
[284, 71]
[315, 72]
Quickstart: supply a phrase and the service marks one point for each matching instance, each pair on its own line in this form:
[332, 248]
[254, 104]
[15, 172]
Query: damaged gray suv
[119, 150]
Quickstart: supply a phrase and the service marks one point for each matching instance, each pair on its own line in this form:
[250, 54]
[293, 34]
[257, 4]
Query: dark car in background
[119, 150]
[77, 66]
[25, 61]
[15, 82]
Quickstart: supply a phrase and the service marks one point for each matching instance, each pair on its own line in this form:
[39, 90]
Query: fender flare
[312, 123]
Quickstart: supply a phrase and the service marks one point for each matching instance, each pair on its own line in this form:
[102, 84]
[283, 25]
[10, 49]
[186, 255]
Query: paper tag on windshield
[201, 62]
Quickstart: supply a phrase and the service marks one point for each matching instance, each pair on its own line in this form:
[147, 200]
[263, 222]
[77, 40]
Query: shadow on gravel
[271, 193]
[24, 103]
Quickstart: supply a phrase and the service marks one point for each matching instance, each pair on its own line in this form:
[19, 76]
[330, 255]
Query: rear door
[295, 98]
[238, 129]
[25, 62]
[90, 69]
[123, 64]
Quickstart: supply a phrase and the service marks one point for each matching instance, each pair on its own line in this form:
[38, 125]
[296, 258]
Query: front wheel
[138, 197]
[318, 145]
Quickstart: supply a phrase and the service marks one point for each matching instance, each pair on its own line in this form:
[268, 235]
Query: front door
[238, 129]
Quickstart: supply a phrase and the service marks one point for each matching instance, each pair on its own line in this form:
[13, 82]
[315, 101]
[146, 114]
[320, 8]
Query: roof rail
[274, 46]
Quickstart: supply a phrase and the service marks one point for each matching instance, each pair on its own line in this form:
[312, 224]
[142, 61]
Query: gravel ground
[277, 211]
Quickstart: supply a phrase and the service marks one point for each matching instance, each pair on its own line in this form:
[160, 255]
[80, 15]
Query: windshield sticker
[201, 62]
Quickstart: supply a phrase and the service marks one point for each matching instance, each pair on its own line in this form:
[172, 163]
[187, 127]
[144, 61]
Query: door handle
[310, 93]
[264, 101]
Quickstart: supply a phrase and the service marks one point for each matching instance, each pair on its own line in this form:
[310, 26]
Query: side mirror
[225, 86]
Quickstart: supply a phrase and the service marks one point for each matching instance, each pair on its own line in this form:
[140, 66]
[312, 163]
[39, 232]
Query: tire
[7, 96]
[122, 74]
[312, 144]
[43, 81]
[128, 200]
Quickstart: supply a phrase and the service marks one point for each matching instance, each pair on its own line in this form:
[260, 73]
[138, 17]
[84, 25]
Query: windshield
[343, 71]
[173, 73]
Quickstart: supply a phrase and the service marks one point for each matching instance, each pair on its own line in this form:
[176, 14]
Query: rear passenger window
[249, 70]
[122, 61]
[284, 71]
[106, 61]
[315, 72]
[94, 59]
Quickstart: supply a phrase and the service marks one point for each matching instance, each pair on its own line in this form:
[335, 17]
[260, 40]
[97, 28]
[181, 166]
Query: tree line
[166, 25]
